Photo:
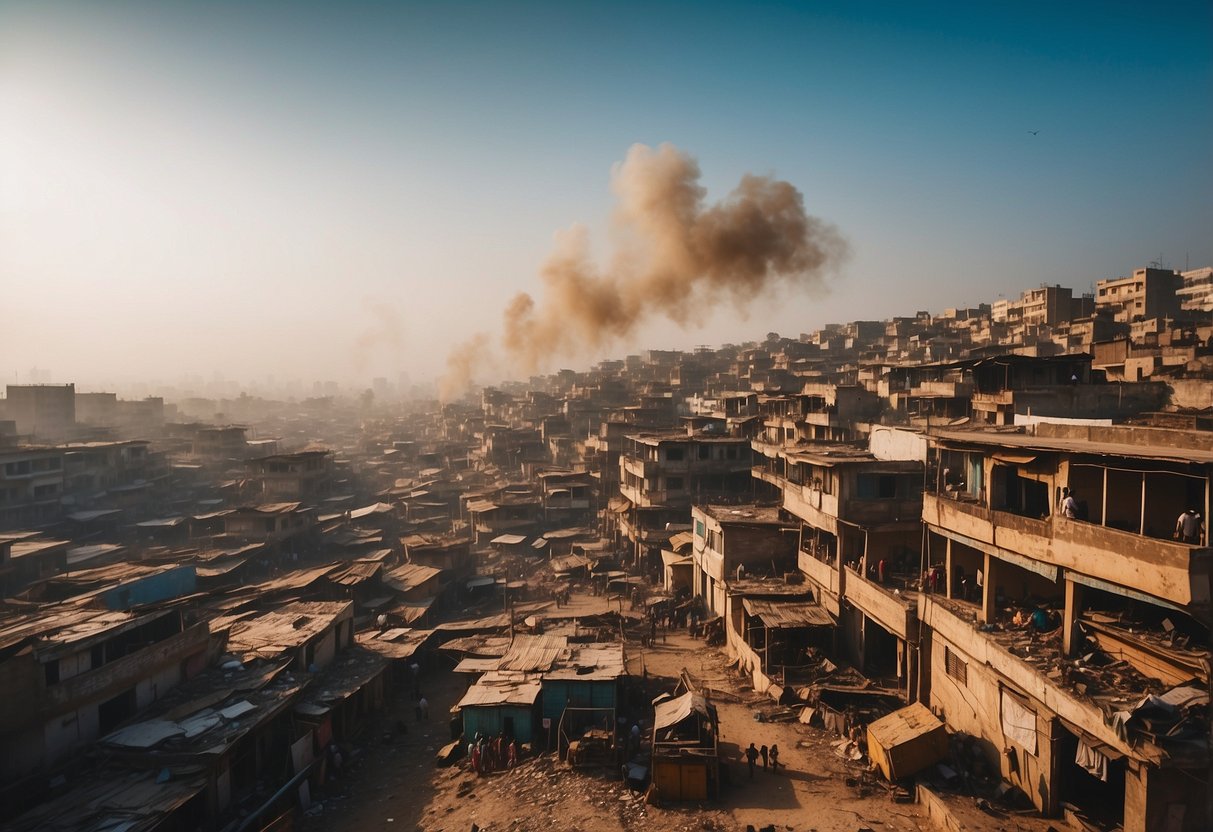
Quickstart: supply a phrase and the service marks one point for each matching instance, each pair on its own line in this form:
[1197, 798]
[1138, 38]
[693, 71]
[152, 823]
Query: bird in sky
[1033, 132]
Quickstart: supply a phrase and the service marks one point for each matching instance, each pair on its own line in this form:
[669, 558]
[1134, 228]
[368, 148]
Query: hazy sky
[343, 190]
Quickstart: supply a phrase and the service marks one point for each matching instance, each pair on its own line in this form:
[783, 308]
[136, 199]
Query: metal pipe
[261, 810]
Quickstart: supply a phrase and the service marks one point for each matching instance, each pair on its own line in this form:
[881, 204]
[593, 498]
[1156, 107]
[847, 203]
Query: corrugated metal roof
[534, 653]
[673, 711]
[497, 688]
[351, 574]
[591, 662]
[272, 634]
[410, 575]
[508, 539]
[783, 615]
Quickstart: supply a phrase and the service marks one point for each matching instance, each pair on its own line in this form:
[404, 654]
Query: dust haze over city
[605, 416]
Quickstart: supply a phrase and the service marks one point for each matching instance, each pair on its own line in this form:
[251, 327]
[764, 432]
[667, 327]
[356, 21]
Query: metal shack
[588, 678]
[686, 759]
[501, 702]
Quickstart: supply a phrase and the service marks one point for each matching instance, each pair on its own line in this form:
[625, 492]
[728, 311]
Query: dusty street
[394, 784]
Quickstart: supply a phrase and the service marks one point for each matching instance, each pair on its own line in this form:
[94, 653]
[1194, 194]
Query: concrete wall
[973, 706]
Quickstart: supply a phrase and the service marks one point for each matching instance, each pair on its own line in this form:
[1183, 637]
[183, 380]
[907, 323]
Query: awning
[681, 539]
[508, 539]
[672, 559]
[619, 505]
[788, 615]
[673, 711]
[1014, 459]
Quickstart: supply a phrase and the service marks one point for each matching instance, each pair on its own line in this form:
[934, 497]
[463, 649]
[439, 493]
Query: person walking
[774, 758]
[751, 756]
[423, 709]
[764, 751]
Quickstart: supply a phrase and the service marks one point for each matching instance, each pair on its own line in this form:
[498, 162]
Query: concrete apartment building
[1044, 635]
[859, 545]
[1196, 293]
[661, 475]
[31, 486]
[43, 411]
[70, 677]
[731, 542]
[1148, 293]
[305, 475]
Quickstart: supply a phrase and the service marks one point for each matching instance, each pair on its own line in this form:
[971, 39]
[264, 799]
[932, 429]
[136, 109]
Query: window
[730, 452]
[705, 451]
[876, 486]
[673, 483]
[675, 454]
[957, 668]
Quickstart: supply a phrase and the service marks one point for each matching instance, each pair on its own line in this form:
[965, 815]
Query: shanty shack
[507, 699]
[502, 702]
[686, 756]
[588, 678]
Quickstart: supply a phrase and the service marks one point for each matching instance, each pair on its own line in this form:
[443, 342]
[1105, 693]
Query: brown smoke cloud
[675, 258]
[462, 364]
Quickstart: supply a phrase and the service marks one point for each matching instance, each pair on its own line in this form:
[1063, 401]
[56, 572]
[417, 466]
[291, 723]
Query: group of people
[495, 754]
[768, 755]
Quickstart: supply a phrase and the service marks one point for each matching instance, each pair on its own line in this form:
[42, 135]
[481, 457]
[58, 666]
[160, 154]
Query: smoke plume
[461, 366]
[675, 257]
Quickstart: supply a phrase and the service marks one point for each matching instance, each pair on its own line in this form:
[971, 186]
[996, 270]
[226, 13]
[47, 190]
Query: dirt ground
[393, 784]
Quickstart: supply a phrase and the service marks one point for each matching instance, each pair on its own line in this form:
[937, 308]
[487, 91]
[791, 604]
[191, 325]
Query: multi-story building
[1149, 293]
[73, 675]
[662, 474]
[44, 411]
[1047, 305]
[860, 541]
[305, 475]
[31, 486]
[1196, 293]
[731, 542]
[1074, 647]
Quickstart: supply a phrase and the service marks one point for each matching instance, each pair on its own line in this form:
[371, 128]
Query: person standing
[764, 751]
[751, 756]
[1189, 526]
[774, 757]
[423, 709]
[1069, 505]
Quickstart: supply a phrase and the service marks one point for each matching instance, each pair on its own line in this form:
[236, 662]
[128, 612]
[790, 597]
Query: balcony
[895, 611]
[811, 505]
[1175, 572]
[125, 672]
[1026, 662]
[824, 575]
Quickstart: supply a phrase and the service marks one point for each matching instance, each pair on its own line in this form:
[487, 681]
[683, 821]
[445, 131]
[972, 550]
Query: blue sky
[344, 190]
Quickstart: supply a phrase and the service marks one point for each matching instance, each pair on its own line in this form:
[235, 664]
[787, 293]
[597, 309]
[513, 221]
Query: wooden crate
[907, 741]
